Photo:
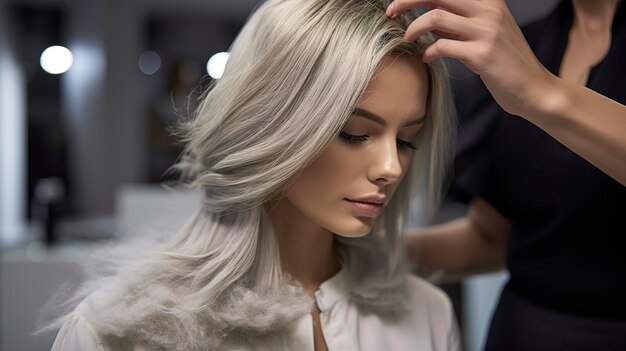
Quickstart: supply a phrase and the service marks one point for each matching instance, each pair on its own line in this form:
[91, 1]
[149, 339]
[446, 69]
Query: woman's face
[349, 185]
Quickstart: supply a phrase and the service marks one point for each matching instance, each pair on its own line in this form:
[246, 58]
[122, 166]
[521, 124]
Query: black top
[566, 249]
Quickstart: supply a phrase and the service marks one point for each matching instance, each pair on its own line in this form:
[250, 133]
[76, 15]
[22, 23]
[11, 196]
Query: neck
[594, 16]
[306, 249]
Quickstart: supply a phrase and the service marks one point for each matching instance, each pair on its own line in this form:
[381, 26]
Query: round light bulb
[56, 59]
[216, 65]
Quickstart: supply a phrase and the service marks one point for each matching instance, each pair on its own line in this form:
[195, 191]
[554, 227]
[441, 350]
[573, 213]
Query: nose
[386, 168]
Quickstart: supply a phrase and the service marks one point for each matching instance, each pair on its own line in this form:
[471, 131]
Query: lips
[371, 207]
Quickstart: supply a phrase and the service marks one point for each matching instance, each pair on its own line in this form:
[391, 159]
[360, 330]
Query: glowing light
[149, 62]
[56, 59]
[217, 63]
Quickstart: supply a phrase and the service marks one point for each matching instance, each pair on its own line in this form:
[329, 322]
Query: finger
[461, 7]
[446, 35]
[459, 50]
[442, 21]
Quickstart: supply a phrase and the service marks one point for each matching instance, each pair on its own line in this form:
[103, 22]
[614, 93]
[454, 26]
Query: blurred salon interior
[89, 92]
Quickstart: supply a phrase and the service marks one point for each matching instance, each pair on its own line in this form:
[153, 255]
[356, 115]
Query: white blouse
[428, 324]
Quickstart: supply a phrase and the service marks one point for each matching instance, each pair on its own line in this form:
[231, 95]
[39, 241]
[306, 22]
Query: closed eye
[356, 139]
[351, 138]
[404, 144]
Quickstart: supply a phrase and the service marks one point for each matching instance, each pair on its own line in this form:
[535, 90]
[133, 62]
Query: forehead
[399, 90]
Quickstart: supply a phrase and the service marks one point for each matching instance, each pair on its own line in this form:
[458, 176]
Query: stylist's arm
[484, 36]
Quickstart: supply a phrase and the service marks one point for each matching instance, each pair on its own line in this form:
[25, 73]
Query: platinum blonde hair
[296, 72]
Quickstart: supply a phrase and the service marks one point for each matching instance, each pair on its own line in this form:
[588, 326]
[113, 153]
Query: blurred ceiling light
[56, 59]
[217, 63]
[149, 62]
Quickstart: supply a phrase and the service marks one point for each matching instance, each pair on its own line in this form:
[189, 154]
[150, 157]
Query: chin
[356, 228]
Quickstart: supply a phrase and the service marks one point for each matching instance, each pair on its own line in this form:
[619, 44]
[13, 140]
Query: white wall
[101, 102]
[12, 138]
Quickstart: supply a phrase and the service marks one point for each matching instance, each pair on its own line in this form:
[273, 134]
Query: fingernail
[390, 12]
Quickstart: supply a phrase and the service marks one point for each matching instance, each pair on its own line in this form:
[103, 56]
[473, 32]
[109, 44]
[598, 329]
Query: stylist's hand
[483, 35]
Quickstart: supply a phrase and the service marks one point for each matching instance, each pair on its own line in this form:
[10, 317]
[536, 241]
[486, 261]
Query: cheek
[320, 188]
[339, 167]
[327, 175]
[406, 160]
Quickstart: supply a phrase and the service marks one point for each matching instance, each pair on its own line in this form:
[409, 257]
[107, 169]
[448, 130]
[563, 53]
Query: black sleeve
[478, 119]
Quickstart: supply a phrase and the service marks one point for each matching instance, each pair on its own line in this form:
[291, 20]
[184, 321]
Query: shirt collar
[333, 290]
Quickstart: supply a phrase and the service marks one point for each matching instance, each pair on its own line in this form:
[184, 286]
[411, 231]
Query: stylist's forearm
[454, 249]
[586, 122]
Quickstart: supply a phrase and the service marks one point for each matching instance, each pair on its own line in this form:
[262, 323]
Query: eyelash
[352, 139]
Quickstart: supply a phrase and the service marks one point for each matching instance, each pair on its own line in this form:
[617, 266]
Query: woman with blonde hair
[323, 113]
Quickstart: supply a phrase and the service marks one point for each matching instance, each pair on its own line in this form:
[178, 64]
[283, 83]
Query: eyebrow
[376, 118]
